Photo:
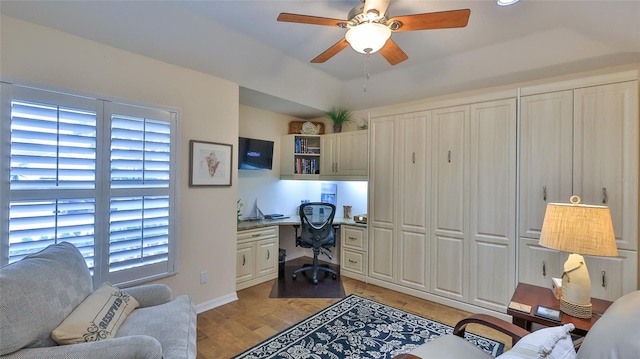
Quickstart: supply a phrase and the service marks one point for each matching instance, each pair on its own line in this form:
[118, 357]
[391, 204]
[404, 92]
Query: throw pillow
[547, 343]
[98, 317]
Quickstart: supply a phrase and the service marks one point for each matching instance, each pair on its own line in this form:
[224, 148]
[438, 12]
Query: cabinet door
[382, 187]
[450, 203]
[538, 264]
[266, 257]
[328, 157]
[245, 262]
[606, 154]
[492, 201]
[352, 153]
[414, 184]
[546, 153]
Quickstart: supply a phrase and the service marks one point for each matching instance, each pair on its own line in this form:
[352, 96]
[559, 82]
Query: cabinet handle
[604, 195]
[449, 156]
[351, 261]
[353, 238]
[244, 260]
[604, 279]
[336, 167]
[544, 193]
[268, 254]
[544, 268]
[256, 235]
[413, 158]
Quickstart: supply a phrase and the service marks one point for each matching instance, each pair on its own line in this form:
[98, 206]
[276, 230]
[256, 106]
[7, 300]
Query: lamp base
[575, 310]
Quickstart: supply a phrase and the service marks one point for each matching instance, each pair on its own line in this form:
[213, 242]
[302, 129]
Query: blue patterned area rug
[356, 327]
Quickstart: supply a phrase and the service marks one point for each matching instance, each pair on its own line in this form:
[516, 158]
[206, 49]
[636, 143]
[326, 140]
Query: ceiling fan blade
[393, 53]
[330, 52]
[432, 20]
[313, 20]
[379, 5]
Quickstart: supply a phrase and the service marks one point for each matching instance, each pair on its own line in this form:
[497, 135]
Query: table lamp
[578, 229]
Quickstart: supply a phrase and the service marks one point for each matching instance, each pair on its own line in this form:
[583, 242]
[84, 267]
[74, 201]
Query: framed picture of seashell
[209, 163]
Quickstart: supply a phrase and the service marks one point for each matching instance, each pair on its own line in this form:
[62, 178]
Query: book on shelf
[305, 166]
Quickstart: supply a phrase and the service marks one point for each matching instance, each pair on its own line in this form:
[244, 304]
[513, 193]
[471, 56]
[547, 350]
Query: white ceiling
[240, 40]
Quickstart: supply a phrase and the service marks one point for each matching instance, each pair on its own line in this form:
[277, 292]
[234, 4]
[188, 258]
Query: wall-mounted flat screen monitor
[254, 154]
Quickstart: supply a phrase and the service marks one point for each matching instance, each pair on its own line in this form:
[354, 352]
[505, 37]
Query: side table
[533, 296]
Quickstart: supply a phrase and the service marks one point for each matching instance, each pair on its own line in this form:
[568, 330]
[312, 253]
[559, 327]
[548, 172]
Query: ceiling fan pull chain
[366, 72]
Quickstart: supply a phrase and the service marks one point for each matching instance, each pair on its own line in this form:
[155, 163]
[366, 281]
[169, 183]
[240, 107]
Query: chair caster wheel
[295, 276]
[334, 276]
[315, 281]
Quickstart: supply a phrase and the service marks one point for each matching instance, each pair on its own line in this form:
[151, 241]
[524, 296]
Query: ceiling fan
[370, 28]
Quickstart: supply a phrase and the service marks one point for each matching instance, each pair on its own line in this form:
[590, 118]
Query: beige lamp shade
[577, 228]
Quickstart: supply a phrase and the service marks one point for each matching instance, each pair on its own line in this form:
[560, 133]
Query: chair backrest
[317, 223]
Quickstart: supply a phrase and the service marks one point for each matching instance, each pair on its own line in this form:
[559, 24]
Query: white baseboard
[440, 300]
[203, 307]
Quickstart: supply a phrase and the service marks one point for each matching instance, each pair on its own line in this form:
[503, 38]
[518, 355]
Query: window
[95, 173]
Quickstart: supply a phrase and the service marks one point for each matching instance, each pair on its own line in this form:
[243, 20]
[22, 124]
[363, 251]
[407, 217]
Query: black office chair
[317, 232]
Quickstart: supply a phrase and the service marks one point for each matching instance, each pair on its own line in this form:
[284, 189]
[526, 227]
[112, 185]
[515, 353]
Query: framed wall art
[210, 164]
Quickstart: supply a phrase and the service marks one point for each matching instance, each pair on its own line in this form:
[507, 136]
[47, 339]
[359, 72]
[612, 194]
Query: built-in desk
[259, 240]
[289, 221]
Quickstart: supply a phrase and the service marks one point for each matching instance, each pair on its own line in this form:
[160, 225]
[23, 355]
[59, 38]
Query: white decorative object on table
[309, 128]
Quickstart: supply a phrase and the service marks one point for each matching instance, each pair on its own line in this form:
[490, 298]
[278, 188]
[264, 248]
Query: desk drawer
[258, 233]
[352, 261]
[354, 237]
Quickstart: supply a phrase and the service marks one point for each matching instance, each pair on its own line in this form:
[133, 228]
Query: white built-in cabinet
[580, 138]
[344, 155]
[336, 156]
[450, 202]
[353, 251]
[413, 248]
[256, 256]
[382, 184]
[300, 157]
[492, 203]
[399, 250]
[442, 195]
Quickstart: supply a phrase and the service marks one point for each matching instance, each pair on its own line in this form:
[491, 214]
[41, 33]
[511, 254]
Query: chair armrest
[135, 346]
[515, 332]
[150, 295]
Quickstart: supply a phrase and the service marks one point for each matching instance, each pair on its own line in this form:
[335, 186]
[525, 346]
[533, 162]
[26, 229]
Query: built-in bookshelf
[304, 161]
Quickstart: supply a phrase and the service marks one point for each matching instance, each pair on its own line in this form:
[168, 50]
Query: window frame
[103, 192]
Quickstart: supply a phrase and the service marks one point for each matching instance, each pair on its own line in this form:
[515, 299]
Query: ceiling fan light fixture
[368, 38]
[506, 2]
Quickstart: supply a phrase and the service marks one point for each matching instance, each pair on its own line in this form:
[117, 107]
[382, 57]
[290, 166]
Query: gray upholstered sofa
[616, 335]
[40, 291]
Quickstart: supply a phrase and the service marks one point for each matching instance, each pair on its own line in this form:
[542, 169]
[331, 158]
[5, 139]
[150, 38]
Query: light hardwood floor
[230, 329]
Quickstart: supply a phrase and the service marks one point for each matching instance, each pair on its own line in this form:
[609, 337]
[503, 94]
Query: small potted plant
[339, 116]
[239, 210]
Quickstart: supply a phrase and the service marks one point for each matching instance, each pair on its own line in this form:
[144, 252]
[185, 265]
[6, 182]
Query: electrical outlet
[204, 277]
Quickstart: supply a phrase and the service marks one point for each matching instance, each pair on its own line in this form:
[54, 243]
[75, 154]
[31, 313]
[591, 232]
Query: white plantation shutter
[140, 202]
[97, 174]
[138, 231]
[35, 224]
[52, 172]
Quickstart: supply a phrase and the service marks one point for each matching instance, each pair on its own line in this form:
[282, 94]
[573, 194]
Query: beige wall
[208, 106]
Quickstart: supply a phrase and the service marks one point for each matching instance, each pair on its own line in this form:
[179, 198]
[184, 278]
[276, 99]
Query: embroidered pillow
[98, 317]
[547, 343]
